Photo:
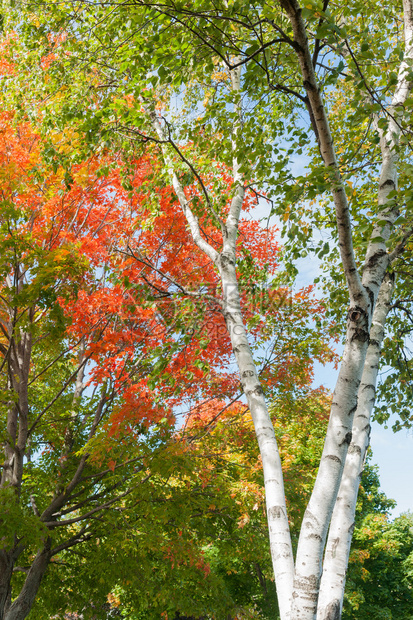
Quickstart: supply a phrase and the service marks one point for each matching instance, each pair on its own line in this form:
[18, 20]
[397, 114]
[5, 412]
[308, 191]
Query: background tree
[379, 579]
[51, 490]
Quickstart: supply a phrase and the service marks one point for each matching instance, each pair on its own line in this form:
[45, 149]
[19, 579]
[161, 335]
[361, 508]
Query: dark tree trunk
[22, 605]
[6, 571]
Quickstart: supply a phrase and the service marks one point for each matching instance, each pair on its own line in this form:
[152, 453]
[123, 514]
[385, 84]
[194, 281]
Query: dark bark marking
[352, 410]
[369, 386]
[333, 611]
[370, 294]
[335, 544]
[258, 391]
[360, 334]
[275, 512]
[309, 583]
[374, 259]
[388, 182]
[351, 528]
[347, 438]
[333, 457]
[310, 516]
[309, 86]
[354, 449]
[227, 260]
[248, 373]
[237, 349]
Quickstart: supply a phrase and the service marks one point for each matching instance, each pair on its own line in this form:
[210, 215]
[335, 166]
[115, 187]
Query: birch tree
[245, 73]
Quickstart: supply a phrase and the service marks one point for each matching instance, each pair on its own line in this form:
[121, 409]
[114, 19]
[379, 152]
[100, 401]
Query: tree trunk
[22, 605]
[342, 524]
[363, 293]
[7, 561]
[278, 526]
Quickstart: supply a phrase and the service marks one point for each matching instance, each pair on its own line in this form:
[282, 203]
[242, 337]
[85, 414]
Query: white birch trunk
[338, 546]
[318, 514]
[279, 532]
[363, 294]
[341, 528]
[335, 563]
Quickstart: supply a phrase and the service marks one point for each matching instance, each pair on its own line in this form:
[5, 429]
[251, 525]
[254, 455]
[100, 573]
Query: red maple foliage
[145, 302]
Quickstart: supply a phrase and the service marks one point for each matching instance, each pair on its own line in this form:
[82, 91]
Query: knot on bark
[257, 391]
[359, 320]
[247, 373]
[356, 314]
[388, 182]
[226, 260]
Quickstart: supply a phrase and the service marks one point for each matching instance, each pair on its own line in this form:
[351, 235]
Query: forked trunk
[335, 563]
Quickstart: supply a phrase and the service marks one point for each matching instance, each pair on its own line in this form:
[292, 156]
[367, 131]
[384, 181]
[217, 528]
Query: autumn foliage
[132, 287]
[118, 319]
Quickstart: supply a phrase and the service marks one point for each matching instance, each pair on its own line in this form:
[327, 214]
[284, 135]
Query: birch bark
[335, 563]
[363, 294]
[342, 524]
[225, 261]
